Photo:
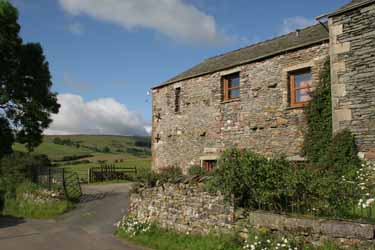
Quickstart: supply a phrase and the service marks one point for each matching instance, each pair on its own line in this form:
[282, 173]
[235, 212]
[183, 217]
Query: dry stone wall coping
[330, 228]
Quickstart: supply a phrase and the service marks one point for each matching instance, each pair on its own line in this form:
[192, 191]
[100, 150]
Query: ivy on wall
[318, 136]
[320, 146]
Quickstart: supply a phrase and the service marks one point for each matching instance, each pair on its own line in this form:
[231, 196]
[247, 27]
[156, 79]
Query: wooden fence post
[88, 175]
[49, 179]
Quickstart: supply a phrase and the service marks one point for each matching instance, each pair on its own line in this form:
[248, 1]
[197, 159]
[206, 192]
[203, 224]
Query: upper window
[300, 83]
[231, 87]
[177, 100]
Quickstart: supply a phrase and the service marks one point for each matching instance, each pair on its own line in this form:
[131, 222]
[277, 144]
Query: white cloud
[174, 18]
[292, 23]
[76, 28]
[148, 129]
[100, 116]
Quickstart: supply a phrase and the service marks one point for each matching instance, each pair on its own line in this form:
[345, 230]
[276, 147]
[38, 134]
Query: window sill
[295, 107]
[231, 100]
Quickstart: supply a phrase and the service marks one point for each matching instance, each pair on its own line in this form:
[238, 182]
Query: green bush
[149, 178]
[343, 151]
[197, 171]
[169, 175]
[255, 181]
[146, 177]
[16, 169]
[277, 185]
[43, 207]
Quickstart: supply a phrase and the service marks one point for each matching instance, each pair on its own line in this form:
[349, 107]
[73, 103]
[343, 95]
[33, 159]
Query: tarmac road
[88, 227]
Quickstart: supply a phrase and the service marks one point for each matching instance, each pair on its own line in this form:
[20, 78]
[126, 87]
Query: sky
[105, 55]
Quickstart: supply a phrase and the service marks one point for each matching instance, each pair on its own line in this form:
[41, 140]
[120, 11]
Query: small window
[209, 165]
[177, 100]
[300, 83]
[231, 87]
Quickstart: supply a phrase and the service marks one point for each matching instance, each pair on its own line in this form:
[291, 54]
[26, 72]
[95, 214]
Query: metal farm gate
[58, 179]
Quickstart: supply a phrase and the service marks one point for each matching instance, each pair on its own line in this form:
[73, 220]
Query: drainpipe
[323, 17]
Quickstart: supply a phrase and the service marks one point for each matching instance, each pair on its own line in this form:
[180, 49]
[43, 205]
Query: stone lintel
[210, 150]
[209, 157]
[298, 66]
[177, 85]
[230, 71]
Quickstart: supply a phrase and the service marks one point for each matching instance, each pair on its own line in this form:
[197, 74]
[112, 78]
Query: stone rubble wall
[352, 49]
[183, 208]
[187, 209]
[262, 120]
[313, 229]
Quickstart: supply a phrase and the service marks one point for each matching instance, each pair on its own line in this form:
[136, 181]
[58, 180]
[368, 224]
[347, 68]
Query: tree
[57, 140]
[6, 138]
[26, 101]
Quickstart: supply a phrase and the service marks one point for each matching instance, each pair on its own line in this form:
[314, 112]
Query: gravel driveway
[88, 227]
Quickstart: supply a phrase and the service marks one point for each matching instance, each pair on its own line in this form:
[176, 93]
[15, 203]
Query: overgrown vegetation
[156, 238]
[16, 169]
[197, 171]
[148, 178]
[19, 197]
[318, 112]
[321, 148]
[277, 185]
[159, 239]
[31, 201]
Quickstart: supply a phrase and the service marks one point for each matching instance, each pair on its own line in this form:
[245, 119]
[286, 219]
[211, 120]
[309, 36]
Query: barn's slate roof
[303, 38]
[352, 5]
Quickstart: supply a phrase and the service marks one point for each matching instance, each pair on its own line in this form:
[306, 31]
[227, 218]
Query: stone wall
[261, 120]
[352, 49]
[181, 207]
[314, 230]
[186, 208]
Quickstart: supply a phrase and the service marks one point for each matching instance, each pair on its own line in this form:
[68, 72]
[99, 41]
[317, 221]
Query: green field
[101, 147]
[82, 169]
[122, 151]
[54, 151]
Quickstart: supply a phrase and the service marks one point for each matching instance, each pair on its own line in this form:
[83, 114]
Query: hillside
[98, 147]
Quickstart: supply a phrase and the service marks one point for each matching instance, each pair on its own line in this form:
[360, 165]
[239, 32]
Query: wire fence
[340, 207]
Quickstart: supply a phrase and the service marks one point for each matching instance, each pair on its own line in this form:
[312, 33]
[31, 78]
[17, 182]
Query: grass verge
[159, 239]
[32, 210]
[32, 201]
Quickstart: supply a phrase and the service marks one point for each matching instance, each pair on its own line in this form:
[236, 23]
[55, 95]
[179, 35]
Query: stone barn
[254, 97]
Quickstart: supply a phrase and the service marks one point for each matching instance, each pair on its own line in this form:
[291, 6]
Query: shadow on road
[10, 221]
[91, 197]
